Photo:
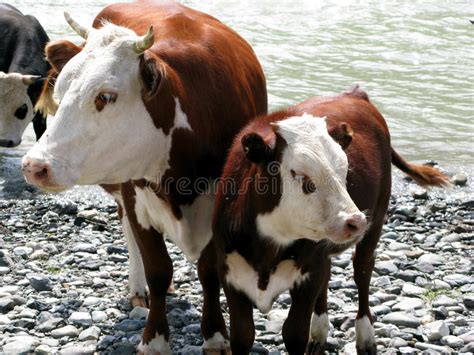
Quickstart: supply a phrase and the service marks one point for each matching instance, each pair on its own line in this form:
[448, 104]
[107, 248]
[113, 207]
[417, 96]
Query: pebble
[459, 180]
[139, 313]
[435, 330]
[20, 345]
[66, 331]
[452, 341]
[91, 333]
[401, 319]
[407, 304]
[39, 282]
[80, 319]
[432, 259]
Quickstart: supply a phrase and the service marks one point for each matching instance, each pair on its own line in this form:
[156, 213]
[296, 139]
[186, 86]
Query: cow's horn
[30, 79]
[81, 30]
[145, 42]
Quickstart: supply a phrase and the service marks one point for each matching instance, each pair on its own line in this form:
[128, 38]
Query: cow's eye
[307, 185]
[21, 112]
[104, 98]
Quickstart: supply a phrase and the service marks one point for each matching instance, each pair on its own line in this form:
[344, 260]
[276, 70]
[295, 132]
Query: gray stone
[99, 316]
[66, 331]
[412, 290]
[85, 248]
[398, 342]
[43, 349]
[4, 270]
[459, 180]
[435, 330]
[5, 259]
[469, 301]
[385, 267]
[83, 348]
[419, 193]
[21, 345]
[4, 320]
[91, 333]
[39, 282]
[456, 280]
[401, 319]
[469, 348]
[433, 259]
[452, 341]
[407, 350]
[49, 324]
[443, 300]
[408, 304]
[130, 325]
[274, 326]
[428, 346]
[92, 301]
[139, 313]
[22, 251]
[80, 319]
[6, 305]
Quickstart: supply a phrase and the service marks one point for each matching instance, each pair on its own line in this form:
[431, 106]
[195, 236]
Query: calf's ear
[259, 148]
[59, 52]
[342, 133]
[153, 74]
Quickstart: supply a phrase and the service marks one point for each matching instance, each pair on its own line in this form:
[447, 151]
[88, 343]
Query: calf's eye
[307, 184]
[103, 99]
[21, 112]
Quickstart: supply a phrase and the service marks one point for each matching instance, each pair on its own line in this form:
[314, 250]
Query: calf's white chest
[191, 233]
[243, 277]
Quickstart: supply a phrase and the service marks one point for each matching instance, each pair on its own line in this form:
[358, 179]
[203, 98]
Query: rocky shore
[64, 270]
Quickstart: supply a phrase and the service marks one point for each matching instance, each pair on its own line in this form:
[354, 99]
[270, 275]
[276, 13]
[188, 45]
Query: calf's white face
[16, 108]
[102, 132]
[314, 203]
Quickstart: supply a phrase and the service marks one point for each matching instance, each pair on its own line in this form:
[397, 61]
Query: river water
[415, 59]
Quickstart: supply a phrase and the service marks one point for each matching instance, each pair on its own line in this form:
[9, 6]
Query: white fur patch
[319, 328]
[13, 94]
[191, 233]
[322, 214]
[365, 337]
[243, 277]
[158, 345]
[216, 342]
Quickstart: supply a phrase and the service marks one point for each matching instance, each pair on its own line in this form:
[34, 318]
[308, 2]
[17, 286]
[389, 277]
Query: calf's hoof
[140, 301]
[216, 345]
[315, 348]
[368, 350]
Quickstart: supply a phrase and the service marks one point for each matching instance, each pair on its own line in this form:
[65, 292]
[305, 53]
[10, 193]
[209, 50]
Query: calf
[282, 209]
[152, 110]
[22, 65]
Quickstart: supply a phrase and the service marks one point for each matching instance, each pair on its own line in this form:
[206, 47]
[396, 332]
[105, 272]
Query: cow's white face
[102, 132]
[16, 108]
[314, 203]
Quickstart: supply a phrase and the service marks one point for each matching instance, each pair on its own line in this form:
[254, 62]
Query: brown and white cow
[291, 195]
[156, 113]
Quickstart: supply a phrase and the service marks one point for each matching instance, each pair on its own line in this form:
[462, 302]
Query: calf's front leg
[158, 273]
[242, 327]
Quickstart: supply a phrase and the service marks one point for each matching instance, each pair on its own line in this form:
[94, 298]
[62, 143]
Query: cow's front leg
[320, 321]
[213, 329]
[136, 277]
[242, 327]
[158, 273]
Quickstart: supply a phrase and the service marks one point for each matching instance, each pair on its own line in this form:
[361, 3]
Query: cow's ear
[59, 52]
[259, 148]
[342, 133]
[153, 73]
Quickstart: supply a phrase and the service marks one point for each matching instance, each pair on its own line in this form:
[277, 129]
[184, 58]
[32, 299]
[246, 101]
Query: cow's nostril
[42, 174]
[352, 227]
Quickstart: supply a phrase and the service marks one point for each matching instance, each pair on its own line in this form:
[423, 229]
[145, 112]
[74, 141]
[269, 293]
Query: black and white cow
[22, 65]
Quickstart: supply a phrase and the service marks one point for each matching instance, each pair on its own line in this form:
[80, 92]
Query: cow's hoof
[369, 350]
[139, 301]
[315, 348]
